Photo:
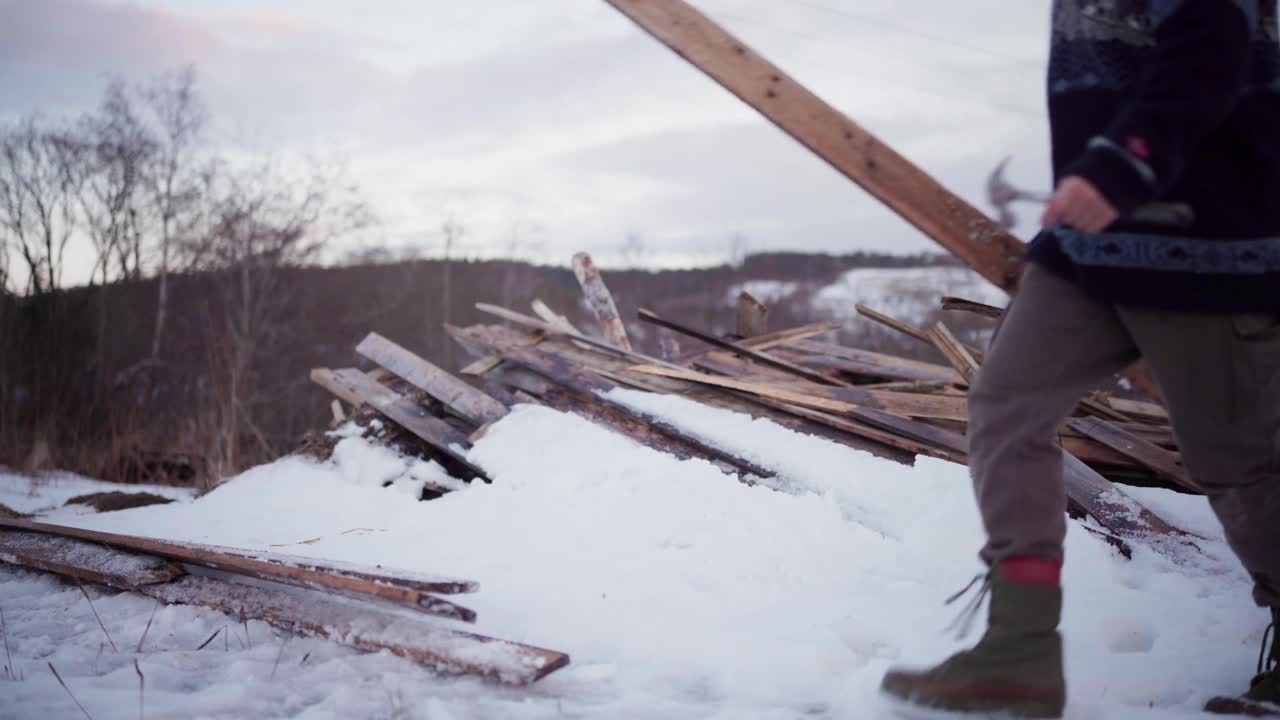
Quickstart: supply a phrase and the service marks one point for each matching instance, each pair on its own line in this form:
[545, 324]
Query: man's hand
[1078, 204]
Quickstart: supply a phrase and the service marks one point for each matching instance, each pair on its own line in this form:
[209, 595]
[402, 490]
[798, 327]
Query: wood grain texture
[462, 399]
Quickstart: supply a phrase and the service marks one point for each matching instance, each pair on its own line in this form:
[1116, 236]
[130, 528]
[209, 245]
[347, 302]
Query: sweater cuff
[1123, 179]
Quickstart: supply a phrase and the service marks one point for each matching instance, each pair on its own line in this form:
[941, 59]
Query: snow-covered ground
[678, 591]
[48, 493]
[908, 294]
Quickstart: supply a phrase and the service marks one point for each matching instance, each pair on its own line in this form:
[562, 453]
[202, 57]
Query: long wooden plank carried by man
[857, 154]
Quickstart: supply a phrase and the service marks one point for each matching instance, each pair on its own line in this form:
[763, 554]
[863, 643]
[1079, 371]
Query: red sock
[1033, 571]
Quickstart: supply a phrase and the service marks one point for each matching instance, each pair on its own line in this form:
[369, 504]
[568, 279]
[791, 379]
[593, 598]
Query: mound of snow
[678, 591]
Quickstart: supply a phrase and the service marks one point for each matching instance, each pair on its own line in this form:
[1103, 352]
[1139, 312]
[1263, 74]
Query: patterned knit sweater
[1171, 108]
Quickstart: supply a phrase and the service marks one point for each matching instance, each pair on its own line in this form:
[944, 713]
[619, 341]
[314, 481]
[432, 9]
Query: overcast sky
[562, 121]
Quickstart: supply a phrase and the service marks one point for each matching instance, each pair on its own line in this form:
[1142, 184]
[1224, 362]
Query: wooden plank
[756, 355]
[404, 588]
[1120, 514]
[790, 335]
[890, 367]
[971, 306]
[366, 628]
[465, 401]
[1164, 463]
[536, 324]
[850, 149]
[892, 323]
[952, 349]
[615, 370]
[600, 300]
[552, 317]
[753, 316]
[1139, 410]
[324, 378]
[407, 414]
[837, 400]
[907, 435]
[84, 561]
[481, 366]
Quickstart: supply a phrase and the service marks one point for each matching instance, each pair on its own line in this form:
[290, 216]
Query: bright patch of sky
[559, 123]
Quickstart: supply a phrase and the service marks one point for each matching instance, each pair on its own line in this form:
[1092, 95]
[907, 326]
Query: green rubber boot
[1015, 670]
[1263, 697]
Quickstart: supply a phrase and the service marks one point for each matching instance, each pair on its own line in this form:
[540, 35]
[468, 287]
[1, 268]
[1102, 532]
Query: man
[1162, 240]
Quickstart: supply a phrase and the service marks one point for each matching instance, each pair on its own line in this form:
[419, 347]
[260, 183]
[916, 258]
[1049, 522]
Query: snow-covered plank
[410, 590]
[87, 561]
[857, 154]
[572, 392]
[368, 629]
[600, 300]
[464, 400]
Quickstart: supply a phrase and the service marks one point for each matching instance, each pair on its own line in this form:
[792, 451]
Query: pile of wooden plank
[370, 610]
[895, 407]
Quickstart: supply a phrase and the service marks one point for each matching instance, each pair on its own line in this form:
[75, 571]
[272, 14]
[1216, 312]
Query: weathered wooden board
[1164, 463]
[409, 589]
[600, 300]
[753, 316]
[791, 335]
[971, 306]
[756, 355]
[843, 400]
[867, 362]
[1120, 514]
[552, 317]
[952, 349]
[615, 370]
[82, 560]
[464, 400]
[408, 415]
[536, 324]
[850, 149]
[866, 414]
[365, 628]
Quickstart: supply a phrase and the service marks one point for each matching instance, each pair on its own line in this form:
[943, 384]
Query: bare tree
[259, 224]
[40, 176]
[116, 150]
[453, 232]
[175, 178]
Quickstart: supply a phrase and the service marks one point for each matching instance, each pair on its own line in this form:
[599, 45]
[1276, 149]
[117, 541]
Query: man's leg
[1221, 376]
[1053, 345]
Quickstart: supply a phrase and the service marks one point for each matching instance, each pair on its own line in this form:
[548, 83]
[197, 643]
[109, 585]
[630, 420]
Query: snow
[766, 291]
[907, 294]
[47, 493]
[677, 591]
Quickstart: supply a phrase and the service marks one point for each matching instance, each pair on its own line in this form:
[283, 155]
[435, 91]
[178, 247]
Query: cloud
[563, 114]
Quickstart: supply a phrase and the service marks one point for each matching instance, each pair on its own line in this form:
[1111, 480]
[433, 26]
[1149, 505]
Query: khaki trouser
[1220, 374]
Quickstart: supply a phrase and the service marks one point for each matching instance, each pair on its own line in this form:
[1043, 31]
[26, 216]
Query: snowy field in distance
[678, 591]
